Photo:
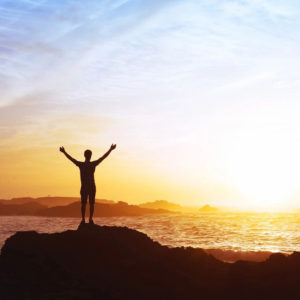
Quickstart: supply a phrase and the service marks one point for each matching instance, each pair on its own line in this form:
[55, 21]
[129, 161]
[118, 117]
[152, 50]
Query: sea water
[226, 233]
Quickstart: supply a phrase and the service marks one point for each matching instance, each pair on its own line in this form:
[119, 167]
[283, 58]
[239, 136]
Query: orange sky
[202, 100]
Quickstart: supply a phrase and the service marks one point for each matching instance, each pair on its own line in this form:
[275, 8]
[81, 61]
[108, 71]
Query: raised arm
[98, 161]
[73, 160]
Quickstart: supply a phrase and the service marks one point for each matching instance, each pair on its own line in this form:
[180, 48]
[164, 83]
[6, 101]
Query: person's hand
[62, 149]
[112, 147]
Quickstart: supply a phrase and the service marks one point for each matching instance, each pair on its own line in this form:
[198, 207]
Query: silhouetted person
[88, 186]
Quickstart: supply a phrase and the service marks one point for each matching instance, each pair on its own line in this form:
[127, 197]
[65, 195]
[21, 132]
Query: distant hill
[162, 204]
[49, 201]
[29, 208]
[101, 210]
[70, 207]
[208, 209]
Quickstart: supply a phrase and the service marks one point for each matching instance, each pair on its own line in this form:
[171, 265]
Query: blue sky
[200, 80]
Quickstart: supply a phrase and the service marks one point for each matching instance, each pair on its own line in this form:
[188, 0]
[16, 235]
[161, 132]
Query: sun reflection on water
[227, 231]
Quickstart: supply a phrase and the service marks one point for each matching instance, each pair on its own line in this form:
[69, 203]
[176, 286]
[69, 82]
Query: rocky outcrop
[96, 262]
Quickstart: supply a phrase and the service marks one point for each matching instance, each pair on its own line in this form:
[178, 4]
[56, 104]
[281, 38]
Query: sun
[266, 176]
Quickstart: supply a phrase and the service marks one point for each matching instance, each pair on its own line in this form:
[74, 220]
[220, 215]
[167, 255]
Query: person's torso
[87, 170]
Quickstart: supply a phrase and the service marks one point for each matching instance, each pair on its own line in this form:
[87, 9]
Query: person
[88, 186]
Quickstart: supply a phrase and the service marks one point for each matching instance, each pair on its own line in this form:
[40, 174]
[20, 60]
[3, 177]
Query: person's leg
[83, 206]
[91, 211]
[92, 196]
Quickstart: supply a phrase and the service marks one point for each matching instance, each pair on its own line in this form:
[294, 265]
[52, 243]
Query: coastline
[176, 230]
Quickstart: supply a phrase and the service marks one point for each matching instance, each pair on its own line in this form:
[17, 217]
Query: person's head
[88, 155]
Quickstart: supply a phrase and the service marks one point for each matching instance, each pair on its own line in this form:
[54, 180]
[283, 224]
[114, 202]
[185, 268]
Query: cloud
[119, 52]
[137, 57]
[123, 48]
[71, 33]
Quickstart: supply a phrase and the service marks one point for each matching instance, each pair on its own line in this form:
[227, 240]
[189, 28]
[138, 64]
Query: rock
[101, 262]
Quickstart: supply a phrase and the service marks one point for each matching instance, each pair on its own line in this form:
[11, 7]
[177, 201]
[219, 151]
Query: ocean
[227, 236]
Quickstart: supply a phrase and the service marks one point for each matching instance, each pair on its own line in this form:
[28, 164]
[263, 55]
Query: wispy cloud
[122, 46]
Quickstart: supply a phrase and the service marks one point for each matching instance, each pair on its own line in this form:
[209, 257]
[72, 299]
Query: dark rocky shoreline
[104, 262]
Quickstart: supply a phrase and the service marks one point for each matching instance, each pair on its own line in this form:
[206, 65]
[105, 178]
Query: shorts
[88, 193]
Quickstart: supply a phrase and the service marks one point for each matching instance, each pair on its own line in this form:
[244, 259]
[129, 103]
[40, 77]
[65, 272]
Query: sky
[201, 98]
